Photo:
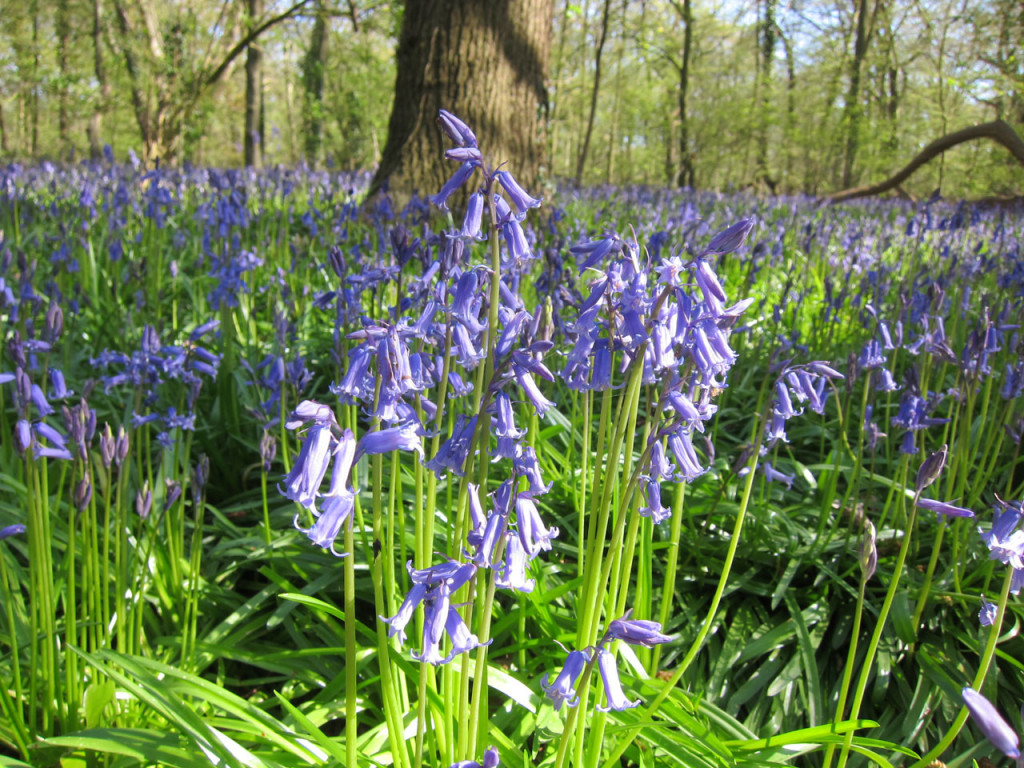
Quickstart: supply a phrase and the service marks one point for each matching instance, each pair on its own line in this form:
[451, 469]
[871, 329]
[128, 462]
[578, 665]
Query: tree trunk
[484, 61]
[63, 29]
[313, 66]
[253, 143]
[686, 176]
[581, 159]
[998, 130]
[103, 97]
[852, 110]
[765, 108]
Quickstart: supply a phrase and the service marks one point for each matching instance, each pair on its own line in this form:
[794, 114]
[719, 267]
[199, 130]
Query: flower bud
[930, 469]
[868, 551]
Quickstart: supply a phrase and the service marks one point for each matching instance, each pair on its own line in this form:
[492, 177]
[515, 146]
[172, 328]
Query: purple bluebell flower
[398, 622]
[991, 723]
[612, 687]
[533, 534]
[655, 510]
[635, 632]
[729, 239]
[519, 197]
[490, 761]
[402, 438]
[460, 177]
[944, 508]
[302, 484]
[513, 572]
[11, 530]
[456, 130]
[988, 614]
[563, 689]
[462, 639]
[453, 452]
[338, 503]
[435, 618]
[773, 475]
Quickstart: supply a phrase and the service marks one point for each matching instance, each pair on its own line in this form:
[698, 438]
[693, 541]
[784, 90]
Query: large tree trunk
[998, 130]
[484, 61]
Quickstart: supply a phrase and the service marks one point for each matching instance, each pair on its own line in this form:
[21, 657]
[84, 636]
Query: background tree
[486, 62]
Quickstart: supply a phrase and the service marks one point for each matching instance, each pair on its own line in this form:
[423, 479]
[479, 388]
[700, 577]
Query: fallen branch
[998, 130]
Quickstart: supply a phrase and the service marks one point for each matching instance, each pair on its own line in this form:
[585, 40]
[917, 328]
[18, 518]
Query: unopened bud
[868, 551]
[83, 493]
[144, 501]
[930, 469]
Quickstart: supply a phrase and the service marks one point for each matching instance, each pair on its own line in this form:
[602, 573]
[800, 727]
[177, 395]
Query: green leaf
[97, 696]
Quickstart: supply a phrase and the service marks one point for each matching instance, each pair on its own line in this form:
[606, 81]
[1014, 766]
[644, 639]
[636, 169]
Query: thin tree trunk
[581, 159]
[313, 66]
[853, 110]
[63, 29]
[687, 176]
[253, 141]
[103, 97]
[34, 96]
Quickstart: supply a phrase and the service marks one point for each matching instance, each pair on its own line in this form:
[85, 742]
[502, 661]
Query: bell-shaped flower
[635, 632]
[563, 689]
[338, 503]
[303, 483]
[398, 622]
[992, 724]
[513, 572]
[612, 687]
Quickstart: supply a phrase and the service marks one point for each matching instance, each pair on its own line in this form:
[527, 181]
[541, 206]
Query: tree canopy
[811, 96]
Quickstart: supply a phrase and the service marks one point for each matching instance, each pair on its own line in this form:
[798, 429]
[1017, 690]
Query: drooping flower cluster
[562, 690]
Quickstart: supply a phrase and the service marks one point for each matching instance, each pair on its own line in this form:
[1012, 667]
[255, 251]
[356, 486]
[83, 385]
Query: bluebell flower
[402, 438]
[513, 573]
[302, 484]
[729, 239]
[992, 724]
[612, 687]
[398, 622]
[654, 509]
[519, 197]
[988, 614]
[338, 503]
[944, 508]
[635, 632]
[563, 689]
[11, 530]
[456, 130]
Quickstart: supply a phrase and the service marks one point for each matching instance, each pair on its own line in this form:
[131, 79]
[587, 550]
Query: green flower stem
[627, 410]
[883, 615]
[851, 660]
[570, 720]
[672, 561]
[979, 678]
[392, 709]
[630, 733]
[351, 651]
[13, 708]
[929, 575]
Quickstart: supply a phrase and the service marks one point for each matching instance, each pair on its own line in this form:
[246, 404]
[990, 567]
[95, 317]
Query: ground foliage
[182, 618]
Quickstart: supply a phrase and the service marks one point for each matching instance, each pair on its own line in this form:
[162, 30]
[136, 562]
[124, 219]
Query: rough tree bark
[998, 131]
[484, 61]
